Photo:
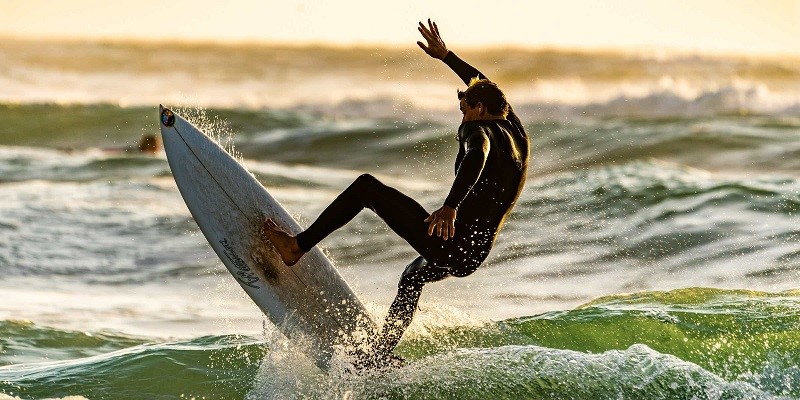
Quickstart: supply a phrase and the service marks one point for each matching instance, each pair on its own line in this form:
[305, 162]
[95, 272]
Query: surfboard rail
[310, 300]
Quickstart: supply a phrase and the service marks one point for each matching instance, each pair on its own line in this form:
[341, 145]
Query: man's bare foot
[285, 243]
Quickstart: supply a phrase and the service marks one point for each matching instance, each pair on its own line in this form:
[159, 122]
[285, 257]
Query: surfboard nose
[167, 117]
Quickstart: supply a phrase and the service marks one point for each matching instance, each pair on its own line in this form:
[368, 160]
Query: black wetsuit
[491, 167]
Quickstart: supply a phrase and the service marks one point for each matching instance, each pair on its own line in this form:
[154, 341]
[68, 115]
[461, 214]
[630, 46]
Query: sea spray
[580, 354]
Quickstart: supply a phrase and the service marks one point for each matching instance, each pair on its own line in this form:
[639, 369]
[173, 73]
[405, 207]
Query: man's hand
[436, 47]
[443, 221]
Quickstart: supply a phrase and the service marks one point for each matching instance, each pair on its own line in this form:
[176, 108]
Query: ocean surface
[654, 254]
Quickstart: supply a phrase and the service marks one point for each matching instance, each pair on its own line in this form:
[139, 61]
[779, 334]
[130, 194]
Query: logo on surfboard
[167, 117]
[243, 274]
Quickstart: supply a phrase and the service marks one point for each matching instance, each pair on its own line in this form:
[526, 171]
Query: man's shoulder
[470, 128]
[485, 125]
[489, 127]
[496, 130]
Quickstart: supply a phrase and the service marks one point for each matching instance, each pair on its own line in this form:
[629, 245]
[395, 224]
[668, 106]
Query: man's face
[470, 113]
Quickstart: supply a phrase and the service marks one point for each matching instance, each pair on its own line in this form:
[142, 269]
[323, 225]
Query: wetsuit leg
[403, 214]
[415, 276]
[405, 217]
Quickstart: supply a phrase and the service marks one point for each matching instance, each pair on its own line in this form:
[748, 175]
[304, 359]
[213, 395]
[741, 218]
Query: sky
[730, 26]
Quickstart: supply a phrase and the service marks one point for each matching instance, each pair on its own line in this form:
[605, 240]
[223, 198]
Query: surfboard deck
[309, 301]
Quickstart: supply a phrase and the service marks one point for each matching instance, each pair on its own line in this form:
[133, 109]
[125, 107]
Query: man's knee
[411, 275]
[367, 180]
[419, 272]
[367, 187]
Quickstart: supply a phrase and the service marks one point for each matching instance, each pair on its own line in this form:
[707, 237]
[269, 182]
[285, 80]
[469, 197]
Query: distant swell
[401, 84]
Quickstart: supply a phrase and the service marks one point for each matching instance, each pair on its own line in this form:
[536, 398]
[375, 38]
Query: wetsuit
[491, 167]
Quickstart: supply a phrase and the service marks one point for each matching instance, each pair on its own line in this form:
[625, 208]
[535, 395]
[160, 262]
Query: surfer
[454, 240]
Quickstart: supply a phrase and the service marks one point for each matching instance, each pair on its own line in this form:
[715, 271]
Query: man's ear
[481, 108]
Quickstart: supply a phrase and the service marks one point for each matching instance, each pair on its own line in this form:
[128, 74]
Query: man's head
[482, 100]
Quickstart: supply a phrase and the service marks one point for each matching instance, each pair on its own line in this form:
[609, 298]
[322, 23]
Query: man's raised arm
[437, 49]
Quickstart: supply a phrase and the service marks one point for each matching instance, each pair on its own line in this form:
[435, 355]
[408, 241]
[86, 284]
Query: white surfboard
[309, 301]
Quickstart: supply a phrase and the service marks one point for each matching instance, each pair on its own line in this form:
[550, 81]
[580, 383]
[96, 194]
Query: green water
[689, 343]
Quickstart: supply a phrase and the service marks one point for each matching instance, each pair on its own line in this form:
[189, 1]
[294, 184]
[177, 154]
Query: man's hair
[487, 93]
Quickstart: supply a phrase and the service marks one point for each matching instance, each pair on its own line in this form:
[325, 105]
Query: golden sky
[750, 26]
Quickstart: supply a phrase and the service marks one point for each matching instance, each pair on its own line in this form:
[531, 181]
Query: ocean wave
[739, 98]
[21, 163]
[767, 143]
[27, 343]
[693, 342]
[656, 190]
[560, 100]
[619, 191]
[206, 366]
[108, 125]
[513, 372]
[394, 83]
[650, 225]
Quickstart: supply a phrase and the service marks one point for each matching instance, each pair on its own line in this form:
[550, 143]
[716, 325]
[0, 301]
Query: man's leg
[403, 214]
[401, 312]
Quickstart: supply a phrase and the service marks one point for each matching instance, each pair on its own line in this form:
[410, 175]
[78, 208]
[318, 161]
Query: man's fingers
[442, 223]
[424, 48]
[423, 30]
[424, 36]
[423, 26]
[435, 31]
[427, 33]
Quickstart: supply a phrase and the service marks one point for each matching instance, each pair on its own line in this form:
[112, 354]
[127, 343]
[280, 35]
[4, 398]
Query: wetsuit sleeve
[475, 154]
[467, 72]
[464, 71]
[459, 157]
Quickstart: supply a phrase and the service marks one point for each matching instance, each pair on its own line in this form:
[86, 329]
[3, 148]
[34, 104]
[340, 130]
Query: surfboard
[308, 302]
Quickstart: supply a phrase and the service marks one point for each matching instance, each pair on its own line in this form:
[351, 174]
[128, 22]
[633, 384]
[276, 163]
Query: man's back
[491, 198]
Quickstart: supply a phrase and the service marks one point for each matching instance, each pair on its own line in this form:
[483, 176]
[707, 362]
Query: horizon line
[236, 42]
